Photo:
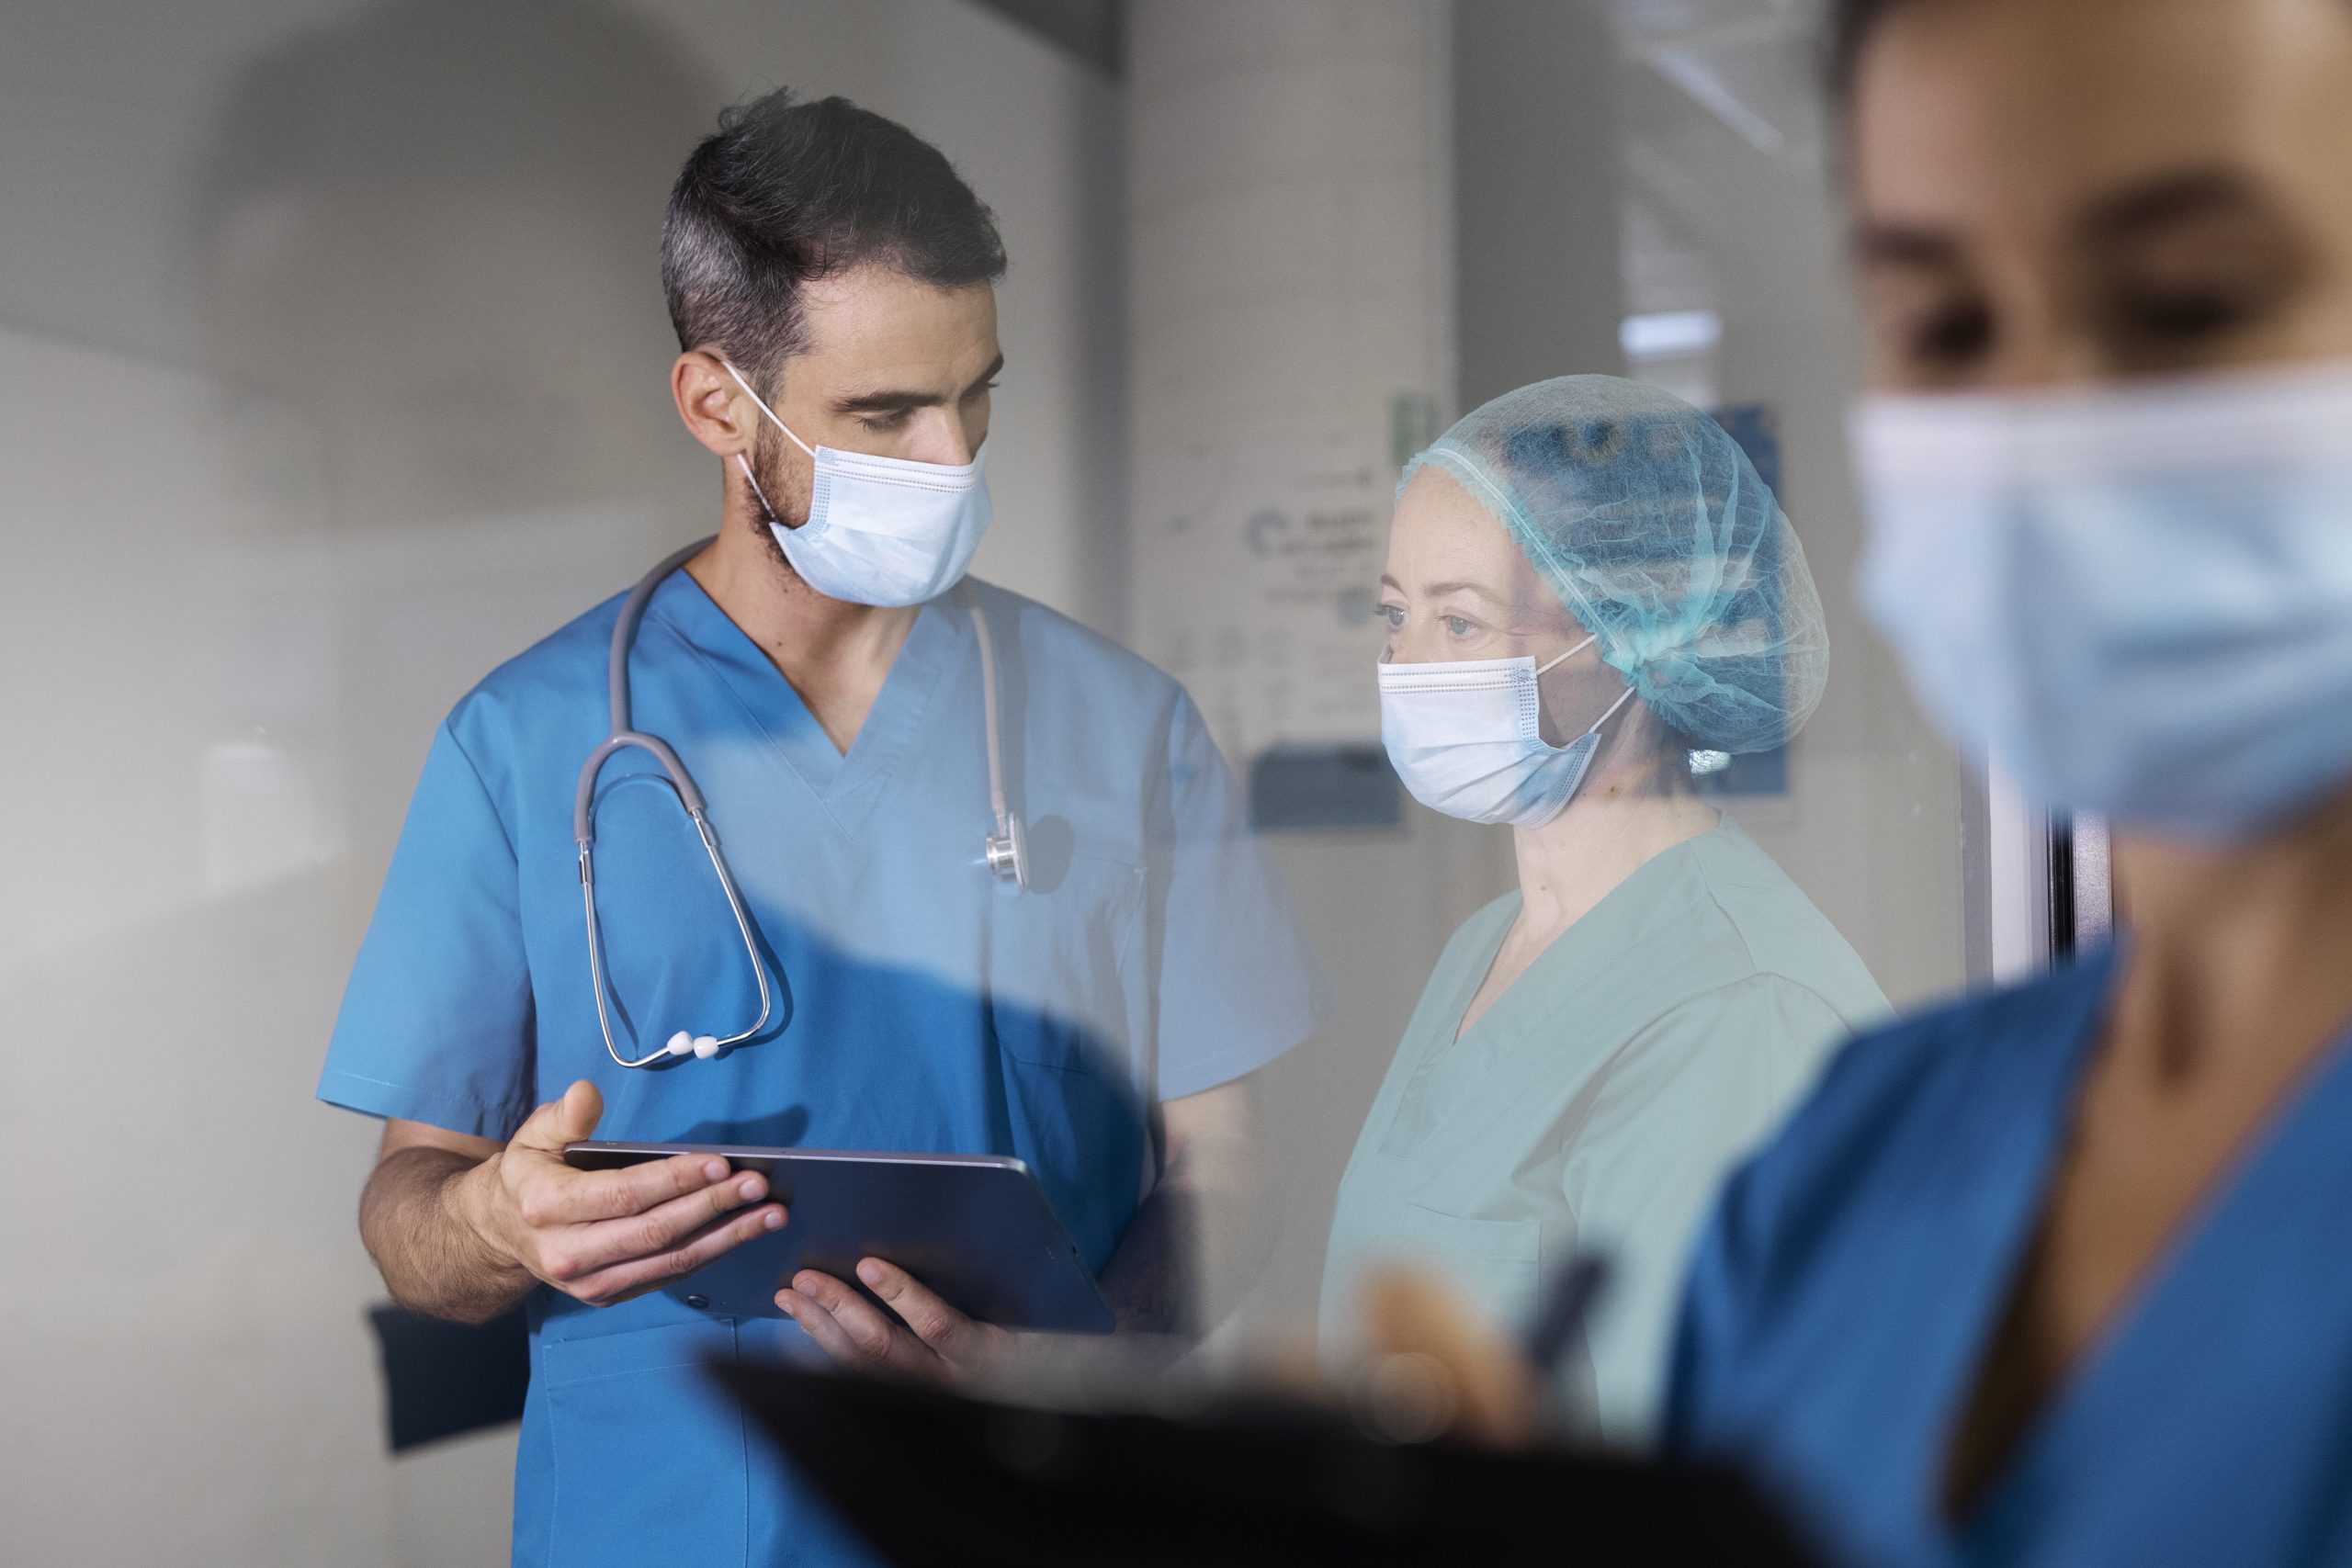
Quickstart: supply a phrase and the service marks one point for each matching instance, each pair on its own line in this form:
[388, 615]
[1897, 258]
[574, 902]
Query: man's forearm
[412, 1218]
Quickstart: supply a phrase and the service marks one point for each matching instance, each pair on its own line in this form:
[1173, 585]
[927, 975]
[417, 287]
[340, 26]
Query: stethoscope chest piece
[1009, 853]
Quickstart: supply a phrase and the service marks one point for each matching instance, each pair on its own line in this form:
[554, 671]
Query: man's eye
[883, 423]
[1458, 627]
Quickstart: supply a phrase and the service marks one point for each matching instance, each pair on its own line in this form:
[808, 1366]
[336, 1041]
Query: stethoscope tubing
[1006, 856]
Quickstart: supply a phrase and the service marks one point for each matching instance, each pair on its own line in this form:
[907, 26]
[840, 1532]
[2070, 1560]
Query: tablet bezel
[897, 1220]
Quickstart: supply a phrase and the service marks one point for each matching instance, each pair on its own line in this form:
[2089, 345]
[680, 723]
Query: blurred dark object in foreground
[444, 1380]
[933, 1479]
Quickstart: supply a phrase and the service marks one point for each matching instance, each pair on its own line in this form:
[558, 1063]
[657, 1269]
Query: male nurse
[818, 668]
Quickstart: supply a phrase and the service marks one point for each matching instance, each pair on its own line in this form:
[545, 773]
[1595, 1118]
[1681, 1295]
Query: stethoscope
[1007, 855]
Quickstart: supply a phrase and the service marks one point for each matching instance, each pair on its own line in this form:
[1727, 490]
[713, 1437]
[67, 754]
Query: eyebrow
[1909, 245]
[2169, 200]
[2134, 214]
[898, 402]
[1440, 589]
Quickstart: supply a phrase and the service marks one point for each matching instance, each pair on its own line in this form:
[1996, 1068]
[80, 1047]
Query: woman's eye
[1396, 614]
[2186, 316]
[1951, 337]
[1456, 627]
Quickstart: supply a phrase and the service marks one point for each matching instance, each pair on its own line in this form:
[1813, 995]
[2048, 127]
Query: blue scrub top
[921, 1004]
[1841, 1307]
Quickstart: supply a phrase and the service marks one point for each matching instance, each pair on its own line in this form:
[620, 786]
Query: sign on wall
[1259, 564]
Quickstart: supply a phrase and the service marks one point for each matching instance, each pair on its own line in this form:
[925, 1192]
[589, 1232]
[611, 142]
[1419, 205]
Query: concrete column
[1536, 200]
[1291, 294]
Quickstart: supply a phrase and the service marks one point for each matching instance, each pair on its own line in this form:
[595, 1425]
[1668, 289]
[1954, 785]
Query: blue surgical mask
[1466, 736]
[2138, 600]
[883, 531]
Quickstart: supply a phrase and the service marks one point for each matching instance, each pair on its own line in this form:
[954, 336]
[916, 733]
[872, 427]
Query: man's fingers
[819, 1325]
[583, 1197]
[935, 1323]
[878, 1340]
[636, 1275]
[664, 1228]
[566, 1120]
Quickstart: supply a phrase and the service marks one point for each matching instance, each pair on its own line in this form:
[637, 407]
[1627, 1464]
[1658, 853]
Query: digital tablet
[977, 1229]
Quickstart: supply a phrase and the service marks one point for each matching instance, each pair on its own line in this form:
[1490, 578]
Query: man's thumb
[564, 1120]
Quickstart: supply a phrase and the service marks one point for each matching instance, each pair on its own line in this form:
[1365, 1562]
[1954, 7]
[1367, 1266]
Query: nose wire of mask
[2139, 602]
[883, 531]
[1466, 738]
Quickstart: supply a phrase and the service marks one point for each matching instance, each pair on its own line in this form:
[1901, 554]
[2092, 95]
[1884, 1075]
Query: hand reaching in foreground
[1444, 1366]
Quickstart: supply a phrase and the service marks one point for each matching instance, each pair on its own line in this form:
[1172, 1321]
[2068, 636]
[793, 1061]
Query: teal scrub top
[921, 1004]
[1597, 1103]
[1857, 1270]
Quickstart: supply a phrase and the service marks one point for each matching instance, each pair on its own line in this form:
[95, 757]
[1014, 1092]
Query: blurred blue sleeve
[436, 1022]
[1237, 983]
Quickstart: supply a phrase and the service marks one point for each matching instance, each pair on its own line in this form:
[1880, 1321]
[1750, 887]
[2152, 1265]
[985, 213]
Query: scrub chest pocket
[1060, 966]
[1072, 1027]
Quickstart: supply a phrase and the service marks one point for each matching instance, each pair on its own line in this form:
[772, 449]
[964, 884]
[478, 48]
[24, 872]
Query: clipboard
[936, 1479]
[977, 1229]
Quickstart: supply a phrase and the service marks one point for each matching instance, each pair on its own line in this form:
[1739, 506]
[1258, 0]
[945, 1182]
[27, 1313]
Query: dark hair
[1852, 22]
[784, 193]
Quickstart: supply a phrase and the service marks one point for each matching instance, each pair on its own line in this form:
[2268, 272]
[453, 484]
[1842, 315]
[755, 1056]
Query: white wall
[294, 446]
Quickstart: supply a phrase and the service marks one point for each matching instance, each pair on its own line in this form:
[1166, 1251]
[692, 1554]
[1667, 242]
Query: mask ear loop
[756, 487]
[1623, 698]
[768, 411]
[1547, 668]
[741, 462]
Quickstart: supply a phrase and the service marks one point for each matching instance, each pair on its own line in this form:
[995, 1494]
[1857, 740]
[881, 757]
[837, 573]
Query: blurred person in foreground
[1592, 595]
[2057, 1275]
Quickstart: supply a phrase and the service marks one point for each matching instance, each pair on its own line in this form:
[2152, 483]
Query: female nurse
[2061, 1276]
[1590, 593]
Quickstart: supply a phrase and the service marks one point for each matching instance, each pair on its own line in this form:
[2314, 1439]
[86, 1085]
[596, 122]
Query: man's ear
[717, 410]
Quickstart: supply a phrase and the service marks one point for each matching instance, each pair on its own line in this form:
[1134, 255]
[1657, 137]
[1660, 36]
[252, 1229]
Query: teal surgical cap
[1653, 527]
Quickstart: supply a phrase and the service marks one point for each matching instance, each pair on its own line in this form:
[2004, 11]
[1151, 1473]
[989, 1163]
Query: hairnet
[1653, 527]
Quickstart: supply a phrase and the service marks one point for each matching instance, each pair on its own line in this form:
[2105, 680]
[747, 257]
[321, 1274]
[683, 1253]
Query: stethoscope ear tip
[701, 1046]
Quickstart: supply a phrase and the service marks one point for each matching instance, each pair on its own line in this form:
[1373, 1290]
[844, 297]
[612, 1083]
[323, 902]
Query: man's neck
[836, 655]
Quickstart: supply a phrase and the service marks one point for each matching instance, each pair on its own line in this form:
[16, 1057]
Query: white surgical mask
[2139, 601]
[1467, 738]
[885, 530]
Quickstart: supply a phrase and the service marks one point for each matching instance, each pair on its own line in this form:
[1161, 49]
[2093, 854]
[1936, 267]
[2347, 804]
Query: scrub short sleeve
[437, 1024]
[1237, 983]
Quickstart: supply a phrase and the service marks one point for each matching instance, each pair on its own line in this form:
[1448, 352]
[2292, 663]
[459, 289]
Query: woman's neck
[2235, 952]
[1573, 862]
